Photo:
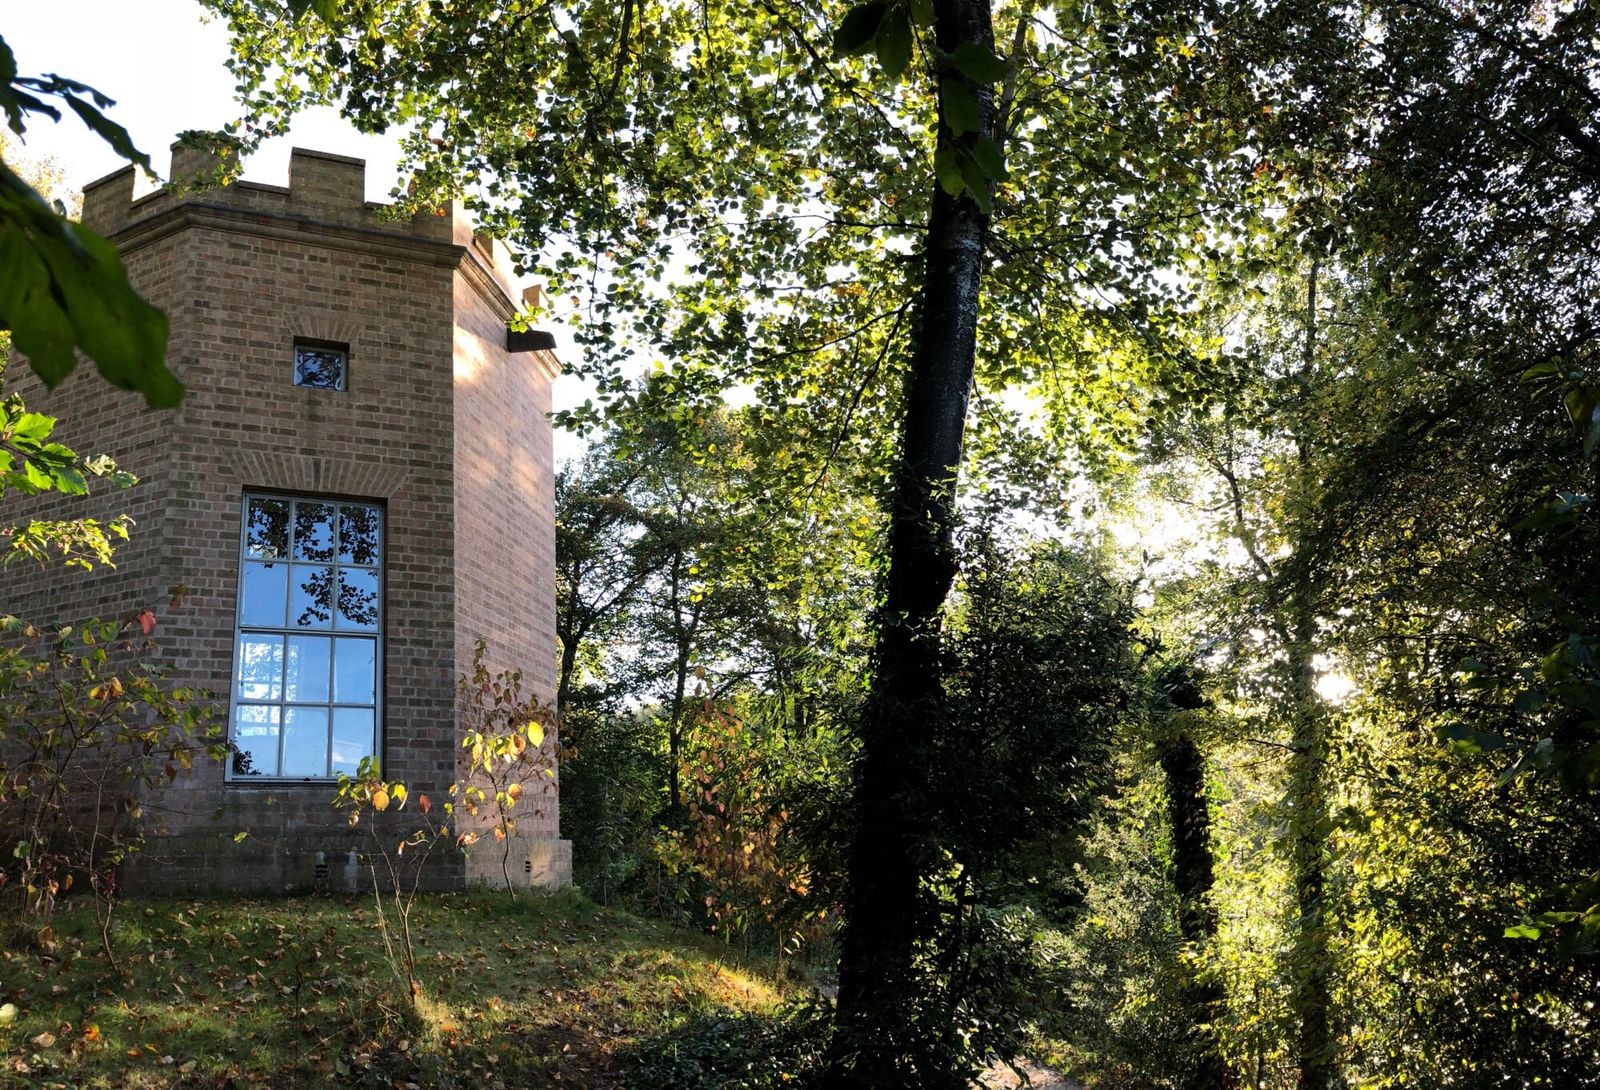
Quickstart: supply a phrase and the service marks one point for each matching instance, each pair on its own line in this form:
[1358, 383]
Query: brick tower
[357, 488]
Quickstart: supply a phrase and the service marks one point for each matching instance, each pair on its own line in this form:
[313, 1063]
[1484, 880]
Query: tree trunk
[568, 667]
[1184, 768]
[1310, 966]
[885, 913]
[1308, 801]
[675, 729]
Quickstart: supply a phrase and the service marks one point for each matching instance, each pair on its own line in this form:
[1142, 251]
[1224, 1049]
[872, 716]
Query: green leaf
[1591, 438]
[1581, 402]
[63, 290]
[922, 12]
[978, 62]
[1528, 701]
[988, 155]
[947, 170]
[1523, 931]
[894, 43]
[1464, 739]
[34, 426]
[958, 106]
[857, 29]
[109, 131]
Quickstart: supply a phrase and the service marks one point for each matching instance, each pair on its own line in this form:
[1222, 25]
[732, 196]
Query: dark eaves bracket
[529, 340]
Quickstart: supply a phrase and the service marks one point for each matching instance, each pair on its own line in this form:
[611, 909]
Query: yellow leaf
[536, 734]
[380, 799]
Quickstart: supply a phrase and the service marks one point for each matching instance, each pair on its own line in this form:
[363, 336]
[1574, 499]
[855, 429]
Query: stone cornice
[486, 284]
[289, 228]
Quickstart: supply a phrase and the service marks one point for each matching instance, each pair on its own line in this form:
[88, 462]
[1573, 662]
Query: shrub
[734, 841]
[91, 732]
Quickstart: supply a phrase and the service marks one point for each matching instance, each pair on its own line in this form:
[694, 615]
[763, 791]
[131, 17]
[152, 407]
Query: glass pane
[261, 592]
[305, 741]
[305, 677]
[260, 667]
[322, 368]
[358, 535]
[255, 740]
[358, 598]
[355, 671]
[311, 597]
[266, 529]
[352, 738]
[313, 531]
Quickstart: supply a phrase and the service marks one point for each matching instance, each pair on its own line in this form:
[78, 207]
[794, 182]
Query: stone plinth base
[537, 862]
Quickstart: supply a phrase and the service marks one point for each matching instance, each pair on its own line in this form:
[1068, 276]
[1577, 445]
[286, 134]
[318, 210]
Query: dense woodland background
[1234, 367]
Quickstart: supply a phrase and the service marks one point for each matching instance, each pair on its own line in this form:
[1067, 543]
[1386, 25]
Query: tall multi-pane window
[310, 645]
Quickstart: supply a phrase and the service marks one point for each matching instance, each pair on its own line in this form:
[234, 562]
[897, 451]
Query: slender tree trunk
[675, 729]
[565, 673]
[1308, 800]
[680, 681]
[1308, 791]
[885, 913]
[1184, 768]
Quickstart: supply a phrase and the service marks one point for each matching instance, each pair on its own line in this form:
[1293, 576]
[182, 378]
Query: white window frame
[286, 630]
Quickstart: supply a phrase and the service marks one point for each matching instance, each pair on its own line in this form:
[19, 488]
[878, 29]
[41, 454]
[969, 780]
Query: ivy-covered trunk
[886, 914]
[1183, 766]
[1310, 966]
[1308, 813]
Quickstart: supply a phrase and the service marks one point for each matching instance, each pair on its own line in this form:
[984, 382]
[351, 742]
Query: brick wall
[438, 423]
[505, 531]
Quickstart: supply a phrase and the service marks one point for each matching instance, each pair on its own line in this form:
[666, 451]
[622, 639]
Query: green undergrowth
[548, 990]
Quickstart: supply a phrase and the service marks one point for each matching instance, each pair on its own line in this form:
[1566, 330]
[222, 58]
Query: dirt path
[1001, 1077]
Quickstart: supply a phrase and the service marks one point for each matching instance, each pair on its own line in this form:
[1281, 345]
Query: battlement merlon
[325, 197]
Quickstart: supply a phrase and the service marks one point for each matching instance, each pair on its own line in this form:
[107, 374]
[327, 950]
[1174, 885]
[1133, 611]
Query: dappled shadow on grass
[733, 1049]
[544, 991]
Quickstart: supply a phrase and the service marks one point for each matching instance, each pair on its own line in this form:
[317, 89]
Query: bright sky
[163, 63]
[164, 66]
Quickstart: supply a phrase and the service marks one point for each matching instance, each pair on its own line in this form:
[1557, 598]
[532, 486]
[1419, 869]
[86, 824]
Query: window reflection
[305, 676]
[355, 671]
[313, 531]
[261, 593]
[311, 597]
[358, 598]
[260, 671]
[358, 535]
[305, 696]
[255, 740]
[266, 529]
[321, 368]
[305, 741]
[352, 738]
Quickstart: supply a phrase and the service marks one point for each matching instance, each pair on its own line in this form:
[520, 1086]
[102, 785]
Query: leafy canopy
[62, 287]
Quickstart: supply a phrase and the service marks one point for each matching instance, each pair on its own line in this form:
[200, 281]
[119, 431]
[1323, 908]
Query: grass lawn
[549, 990]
